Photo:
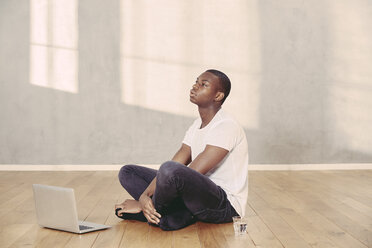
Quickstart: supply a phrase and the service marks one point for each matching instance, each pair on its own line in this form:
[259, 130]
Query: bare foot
[129, 206]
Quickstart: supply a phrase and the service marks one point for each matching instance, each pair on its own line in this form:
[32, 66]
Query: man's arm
[183, 155]
[209, 158]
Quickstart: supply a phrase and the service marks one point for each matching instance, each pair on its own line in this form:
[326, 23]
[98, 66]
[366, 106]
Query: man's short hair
[224, 82]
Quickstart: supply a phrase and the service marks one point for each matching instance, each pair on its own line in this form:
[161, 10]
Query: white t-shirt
[231, 174]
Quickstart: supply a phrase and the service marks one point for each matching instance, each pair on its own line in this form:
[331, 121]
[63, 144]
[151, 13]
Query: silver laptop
[56, 209]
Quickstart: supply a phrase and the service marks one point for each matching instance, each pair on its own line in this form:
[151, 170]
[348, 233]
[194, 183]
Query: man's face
[205, 90]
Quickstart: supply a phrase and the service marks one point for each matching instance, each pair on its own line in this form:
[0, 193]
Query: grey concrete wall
[301, 74]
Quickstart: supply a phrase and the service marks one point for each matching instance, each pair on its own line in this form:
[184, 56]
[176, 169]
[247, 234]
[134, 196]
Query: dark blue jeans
[182, 195]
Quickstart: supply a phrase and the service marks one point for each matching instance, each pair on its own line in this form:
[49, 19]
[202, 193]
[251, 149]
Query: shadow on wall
[125, 96]
[89, 82]
[52, 118]
[316, 87]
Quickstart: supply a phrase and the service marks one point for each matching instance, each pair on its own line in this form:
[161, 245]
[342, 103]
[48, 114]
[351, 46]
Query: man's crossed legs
[182, 196]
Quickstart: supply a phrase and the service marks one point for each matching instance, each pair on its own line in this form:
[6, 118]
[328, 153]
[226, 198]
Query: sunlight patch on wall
[166, 45]
[157, 86]
[54, 44]
[349, 66]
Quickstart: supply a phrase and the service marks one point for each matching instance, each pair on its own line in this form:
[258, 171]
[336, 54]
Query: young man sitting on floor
[206, 180]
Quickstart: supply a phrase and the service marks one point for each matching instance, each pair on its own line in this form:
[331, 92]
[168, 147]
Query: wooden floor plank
[335, 233]
[340, 182]
[31, 238]
[11, 233]
[292, 211]
[159, 239]
[286, 209]
[281, 229]
[136, 235]
[54, 238]
[186, 237]
[364, 209]
[211, 235]
[113, 236]
[321, 205]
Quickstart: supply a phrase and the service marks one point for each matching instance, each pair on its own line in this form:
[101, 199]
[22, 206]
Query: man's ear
[219, 96]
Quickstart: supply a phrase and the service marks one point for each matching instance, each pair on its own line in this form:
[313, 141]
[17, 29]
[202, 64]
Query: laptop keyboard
[82, 227]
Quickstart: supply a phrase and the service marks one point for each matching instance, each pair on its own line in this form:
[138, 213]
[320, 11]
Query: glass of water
[240, 225]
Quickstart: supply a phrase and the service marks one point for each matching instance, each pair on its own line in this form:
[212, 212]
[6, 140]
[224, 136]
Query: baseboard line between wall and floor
[252, 167]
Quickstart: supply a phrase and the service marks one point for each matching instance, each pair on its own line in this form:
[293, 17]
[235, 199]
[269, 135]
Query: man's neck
[207, 114]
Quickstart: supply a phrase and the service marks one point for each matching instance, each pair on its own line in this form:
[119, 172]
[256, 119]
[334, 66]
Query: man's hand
[149, 210]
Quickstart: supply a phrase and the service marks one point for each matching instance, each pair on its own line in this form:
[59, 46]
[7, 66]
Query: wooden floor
[286, 209]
